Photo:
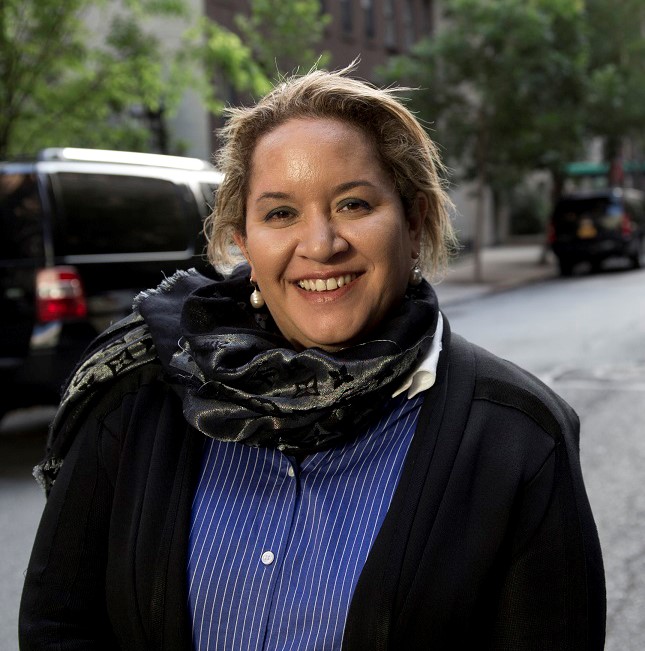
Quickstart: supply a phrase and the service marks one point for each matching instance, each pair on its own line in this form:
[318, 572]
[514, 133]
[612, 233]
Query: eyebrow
[272, 195]
[343, 187]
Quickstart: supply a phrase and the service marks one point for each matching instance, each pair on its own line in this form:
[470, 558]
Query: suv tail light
[550, 233]
[59, 294]
[626, 226]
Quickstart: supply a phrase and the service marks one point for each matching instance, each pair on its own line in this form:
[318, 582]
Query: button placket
[269, 557]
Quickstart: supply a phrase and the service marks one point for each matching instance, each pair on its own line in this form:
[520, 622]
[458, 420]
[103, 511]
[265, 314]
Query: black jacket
[489, 542]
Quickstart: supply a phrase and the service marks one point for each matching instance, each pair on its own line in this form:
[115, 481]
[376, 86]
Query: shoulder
[502, 382]
[123, 348]
[509, 412]
[118, 363]
[514, 425]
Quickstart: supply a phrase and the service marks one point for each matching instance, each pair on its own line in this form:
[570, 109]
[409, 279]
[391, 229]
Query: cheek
[386, 242]
[268, 250]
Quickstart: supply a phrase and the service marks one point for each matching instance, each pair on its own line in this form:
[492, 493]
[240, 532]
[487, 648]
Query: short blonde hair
[405, 150]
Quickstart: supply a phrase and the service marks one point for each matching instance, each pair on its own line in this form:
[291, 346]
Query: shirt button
[291, 472]
[268, 558]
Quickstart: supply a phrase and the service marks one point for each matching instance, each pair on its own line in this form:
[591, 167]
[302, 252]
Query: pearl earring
[416, 275]
[257, 300]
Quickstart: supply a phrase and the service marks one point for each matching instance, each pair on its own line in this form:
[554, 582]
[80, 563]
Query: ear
[417, 218]
[240, 241]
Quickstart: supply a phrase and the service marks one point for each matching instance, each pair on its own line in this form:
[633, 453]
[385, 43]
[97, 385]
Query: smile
[328, 285]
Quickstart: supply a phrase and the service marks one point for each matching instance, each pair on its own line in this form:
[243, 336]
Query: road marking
[622, 377]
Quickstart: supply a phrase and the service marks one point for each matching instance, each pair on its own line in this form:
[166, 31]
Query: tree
[60, 84]
[501, 84]
[617, 72]
[274, 37]
[60, 87]
[284, 36]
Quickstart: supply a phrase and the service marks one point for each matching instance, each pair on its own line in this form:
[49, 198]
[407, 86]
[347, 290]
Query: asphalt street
[584, 336]
[22, 440]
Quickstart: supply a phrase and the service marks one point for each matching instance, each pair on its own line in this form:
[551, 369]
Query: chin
[333, 341]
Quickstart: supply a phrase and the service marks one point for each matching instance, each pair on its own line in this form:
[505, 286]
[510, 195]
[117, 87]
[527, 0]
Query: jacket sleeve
[552, 592]
[63, 601]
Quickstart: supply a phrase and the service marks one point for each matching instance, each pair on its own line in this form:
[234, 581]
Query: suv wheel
[636, 257]
[566, 267]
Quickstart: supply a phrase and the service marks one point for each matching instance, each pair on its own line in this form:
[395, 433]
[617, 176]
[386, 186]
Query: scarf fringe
[165, 287]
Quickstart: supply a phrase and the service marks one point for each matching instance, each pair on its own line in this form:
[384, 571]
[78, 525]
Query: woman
[299, 455]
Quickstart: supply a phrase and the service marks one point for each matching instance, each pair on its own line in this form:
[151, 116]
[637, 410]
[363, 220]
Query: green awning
[585, 168]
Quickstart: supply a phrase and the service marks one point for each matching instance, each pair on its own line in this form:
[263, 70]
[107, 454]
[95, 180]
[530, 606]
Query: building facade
[372, 30]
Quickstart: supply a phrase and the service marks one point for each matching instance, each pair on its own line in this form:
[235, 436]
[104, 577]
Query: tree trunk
[557, 184]
[501, 216]
[478, 240]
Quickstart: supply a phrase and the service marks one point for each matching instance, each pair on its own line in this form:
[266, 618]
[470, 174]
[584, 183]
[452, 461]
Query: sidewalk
[504, 267]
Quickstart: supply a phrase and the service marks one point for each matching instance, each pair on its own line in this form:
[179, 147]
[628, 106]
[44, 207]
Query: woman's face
[326, 235]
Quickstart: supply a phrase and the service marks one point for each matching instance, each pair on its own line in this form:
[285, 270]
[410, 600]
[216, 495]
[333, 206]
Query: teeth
[320, 285]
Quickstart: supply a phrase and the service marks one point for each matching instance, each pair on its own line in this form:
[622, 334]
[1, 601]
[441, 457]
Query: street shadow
[608, 267]
[23, 435]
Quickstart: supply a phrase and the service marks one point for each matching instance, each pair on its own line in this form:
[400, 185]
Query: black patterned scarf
[240, 380]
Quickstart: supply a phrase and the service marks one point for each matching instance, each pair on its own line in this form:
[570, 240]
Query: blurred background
[108, 124]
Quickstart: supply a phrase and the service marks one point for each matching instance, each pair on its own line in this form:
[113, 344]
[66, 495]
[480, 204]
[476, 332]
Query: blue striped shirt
[276, 547]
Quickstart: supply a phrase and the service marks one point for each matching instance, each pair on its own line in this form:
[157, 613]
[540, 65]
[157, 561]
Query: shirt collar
[424, 376]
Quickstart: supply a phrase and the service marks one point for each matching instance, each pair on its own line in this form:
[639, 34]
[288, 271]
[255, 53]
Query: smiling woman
[299, 454]
[325, 211]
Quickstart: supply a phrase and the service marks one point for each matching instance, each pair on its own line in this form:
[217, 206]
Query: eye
[353, 205]
[280, 214]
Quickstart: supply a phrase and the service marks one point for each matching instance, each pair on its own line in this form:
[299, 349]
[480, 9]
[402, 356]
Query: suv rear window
[21, 231]
[600, 210]
[108, 214]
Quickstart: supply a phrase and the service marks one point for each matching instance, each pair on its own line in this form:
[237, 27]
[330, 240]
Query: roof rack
[127, 157]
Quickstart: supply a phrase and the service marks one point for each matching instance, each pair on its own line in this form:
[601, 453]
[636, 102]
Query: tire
[636, 257]
[566, 267]
[596, 266]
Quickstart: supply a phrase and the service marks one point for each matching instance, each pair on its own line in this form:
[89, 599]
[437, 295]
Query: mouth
[326, 284]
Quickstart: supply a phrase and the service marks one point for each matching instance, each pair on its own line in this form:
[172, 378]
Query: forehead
[304, 146]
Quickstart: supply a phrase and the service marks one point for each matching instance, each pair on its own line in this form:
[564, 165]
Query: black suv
[593, 226]
[81, 232]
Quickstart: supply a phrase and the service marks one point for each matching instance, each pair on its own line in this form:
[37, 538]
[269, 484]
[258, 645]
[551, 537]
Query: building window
[390, 24]
[409, 36]
[346, 17]
[368, 18]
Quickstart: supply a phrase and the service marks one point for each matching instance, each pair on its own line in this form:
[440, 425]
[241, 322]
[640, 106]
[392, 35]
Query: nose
[320, 239]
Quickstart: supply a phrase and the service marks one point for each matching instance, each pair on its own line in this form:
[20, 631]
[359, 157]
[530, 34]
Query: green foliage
[617, 71]
[283, 36]
[143, 8]
[59, 88]
[501, 83]
[219, 50]
[275, 36]
[529, 209]
[63, 85]
[516, 85]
